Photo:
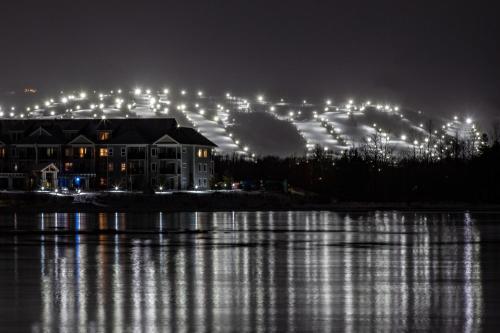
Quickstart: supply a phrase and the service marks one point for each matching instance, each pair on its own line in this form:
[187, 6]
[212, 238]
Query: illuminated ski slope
[246, 127]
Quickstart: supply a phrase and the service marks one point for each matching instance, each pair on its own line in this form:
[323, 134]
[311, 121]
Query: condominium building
[133, 154]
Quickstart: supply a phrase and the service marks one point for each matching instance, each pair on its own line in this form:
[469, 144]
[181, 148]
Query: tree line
[461, 170]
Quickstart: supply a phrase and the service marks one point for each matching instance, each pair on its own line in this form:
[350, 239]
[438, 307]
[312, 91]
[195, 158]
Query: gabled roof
[82, 140]
[40, 131]
[124, 131]
[41, 140]
[165, 139]
[46, 167]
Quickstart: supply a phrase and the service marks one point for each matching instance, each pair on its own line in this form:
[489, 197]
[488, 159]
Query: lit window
[102, 181]
[50, 152]
[68, 166]
[205, 153]
[103, 152]
[82, 152]
[123, 167]
[103, 136]
[2, 152]
[200, 153]
[111, 167]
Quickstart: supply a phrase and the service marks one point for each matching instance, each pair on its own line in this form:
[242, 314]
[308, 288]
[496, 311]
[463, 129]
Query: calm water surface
[258, 271]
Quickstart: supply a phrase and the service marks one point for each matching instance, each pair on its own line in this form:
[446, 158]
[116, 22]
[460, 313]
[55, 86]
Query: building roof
[123, 131]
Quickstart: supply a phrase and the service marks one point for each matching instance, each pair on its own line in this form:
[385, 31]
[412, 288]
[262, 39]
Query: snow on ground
[242, 126]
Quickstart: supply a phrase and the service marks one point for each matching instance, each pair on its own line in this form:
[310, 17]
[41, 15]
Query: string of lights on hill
[263, 126]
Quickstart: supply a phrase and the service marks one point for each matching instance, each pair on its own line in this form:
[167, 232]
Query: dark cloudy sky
[441, 56]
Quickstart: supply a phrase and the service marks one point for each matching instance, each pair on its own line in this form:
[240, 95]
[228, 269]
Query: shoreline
[33, 202]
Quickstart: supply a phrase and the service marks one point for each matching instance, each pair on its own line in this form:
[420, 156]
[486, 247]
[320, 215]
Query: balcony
[136, 155]
[167, 170]
[167, 156]
[136, 171]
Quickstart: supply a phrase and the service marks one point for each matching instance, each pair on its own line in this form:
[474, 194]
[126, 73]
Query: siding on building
[100, 154]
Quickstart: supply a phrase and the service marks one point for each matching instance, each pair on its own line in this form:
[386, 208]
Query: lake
[250, 271]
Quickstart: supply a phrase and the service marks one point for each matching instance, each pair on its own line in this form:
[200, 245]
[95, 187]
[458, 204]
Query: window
[153, 152]
[68, 152]
[184, 150]
[110, 152]
[123, 167]
[82, 152]
[68, 166]
[123, 152]
[103, 152]
[153, 167]
[103, 135]
[111, 167]
[202, 167]
[50, 152]
[102, 181]
[205, 153]
[200, 153]
[2, 152]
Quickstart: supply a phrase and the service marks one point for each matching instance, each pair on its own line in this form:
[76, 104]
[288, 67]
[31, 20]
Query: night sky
[438, 56]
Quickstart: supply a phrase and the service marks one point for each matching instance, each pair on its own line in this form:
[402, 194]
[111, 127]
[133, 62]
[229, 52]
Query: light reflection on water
[258, 271]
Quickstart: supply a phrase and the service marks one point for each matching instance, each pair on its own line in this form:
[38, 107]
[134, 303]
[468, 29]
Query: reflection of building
[101, 154]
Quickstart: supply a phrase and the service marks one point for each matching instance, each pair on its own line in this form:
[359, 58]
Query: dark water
[262, 271]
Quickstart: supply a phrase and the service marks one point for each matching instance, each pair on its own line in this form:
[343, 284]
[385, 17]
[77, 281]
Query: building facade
[132, 154]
